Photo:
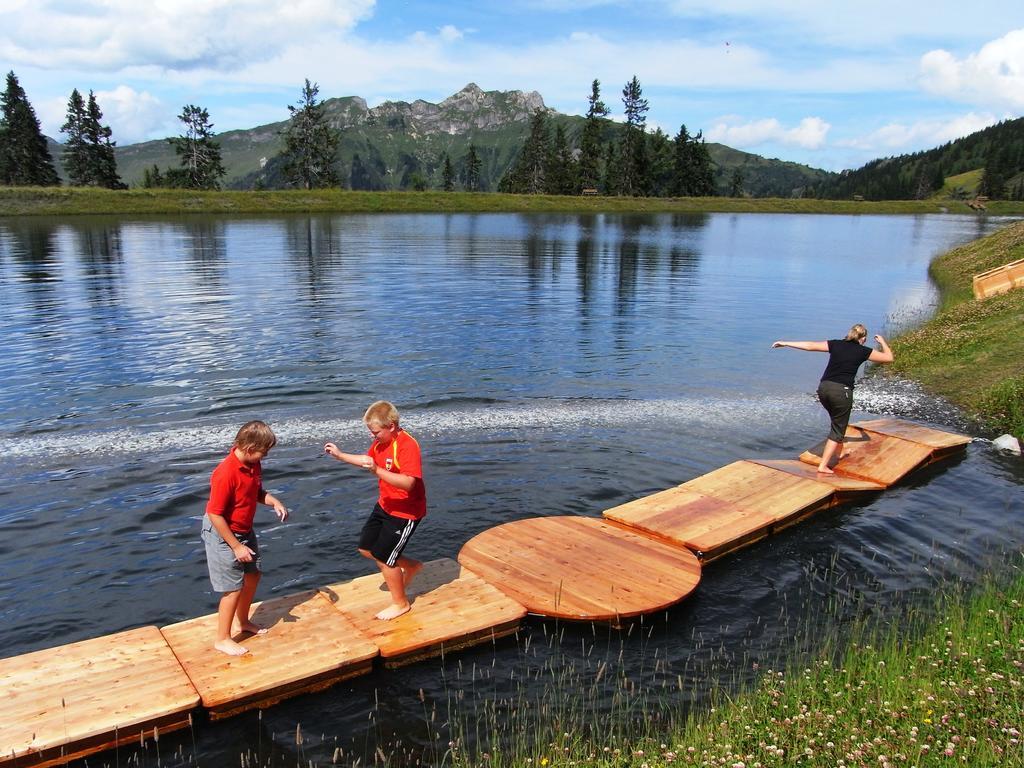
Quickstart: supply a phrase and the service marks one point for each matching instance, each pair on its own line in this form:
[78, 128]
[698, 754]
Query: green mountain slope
[386, 147]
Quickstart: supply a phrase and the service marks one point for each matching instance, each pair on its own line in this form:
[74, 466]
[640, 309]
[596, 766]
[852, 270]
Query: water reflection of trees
[314, 245]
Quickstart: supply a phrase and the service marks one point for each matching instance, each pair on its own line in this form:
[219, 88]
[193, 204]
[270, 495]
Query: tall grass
[942, 686]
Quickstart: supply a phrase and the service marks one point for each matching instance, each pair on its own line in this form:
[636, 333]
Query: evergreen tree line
[612, 159]
[998, 150]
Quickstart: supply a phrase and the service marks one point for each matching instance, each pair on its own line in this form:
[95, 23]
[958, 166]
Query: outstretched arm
[806, 346]
[360, 460]
[883, 355]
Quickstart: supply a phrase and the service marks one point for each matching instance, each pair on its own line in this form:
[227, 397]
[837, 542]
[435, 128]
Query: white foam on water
[513, 420]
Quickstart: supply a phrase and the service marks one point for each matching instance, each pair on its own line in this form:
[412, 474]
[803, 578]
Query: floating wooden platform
[999, 280]
[874, 456]
[452, 608]
[581, 568]
[310, 646]
[67, 702]
[64, 703]
[725, 509]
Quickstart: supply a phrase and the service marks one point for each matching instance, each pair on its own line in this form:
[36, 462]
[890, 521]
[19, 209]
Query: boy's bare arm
[242, 553]
[402, 482]
[272, 501]
[360, 460]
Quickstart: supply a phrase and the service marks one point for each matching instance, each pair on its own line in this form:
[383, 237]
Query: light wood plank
[581, 568]
[724, 509]
[82, 698]
[869, 455]
[309, 647]
[915, 433]
[451, 608]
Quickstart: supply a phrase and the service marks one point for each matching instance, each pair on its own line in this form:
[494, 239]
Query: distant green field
[63, 201]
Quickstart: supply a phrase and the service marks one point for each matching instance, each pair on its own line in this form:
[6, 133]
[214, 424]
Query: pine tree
[310, 144]
[473, 166]
[526, 176]
[660, 174]
[560, 170]
[24, 157]
[633, 154]
[447, 174]
[201, 166]
[152, 179]
[703, 173]
[76, 148]
[590, 142]
[102, 164]
[736, 183]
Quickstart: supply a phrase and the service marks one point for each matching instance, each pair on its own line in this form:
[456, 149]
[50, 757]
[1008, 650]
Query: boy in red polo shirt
[394, 458]
[232, 551]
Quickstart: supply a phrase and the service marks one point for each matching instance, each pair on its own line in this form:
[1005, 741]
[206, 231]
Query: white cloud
[450, 34]
[184, 34]
[992, 77]
[924, 134]
[810, 133]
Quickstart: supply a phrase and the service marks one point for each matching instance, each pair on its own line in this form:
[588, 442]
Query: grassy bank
[63, 201]
[930, 692]
[971, 352]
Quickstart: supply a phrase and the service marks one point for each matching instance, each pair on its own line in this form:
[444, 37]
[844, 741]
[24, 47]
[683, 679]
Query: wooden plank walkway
[452, 608]
[725, 509]
[745, 501]
[63, 703]
[310, 646]
[880, 458]
[581, 568]
[68, 702]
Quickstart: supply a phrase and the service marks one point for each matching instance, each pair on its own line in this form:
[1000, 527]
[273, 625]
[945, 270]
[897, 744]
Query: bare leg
[249, 583]
[225, 613]
[409, 568]
[395, 580]
[826, 456]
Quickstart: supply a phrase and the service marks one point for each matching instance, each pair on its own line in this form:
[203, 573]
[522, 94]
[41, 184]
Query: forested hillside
[997, 152]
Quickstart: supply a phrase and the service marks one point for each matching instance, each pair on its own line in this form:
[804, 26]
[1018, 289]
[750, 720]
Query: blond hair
[857, 332]
[381, 414]
[255, 436]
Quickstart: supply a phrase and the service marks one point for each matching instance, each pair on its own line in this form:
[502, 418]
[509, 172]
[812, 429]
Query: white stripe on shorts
[404, 537]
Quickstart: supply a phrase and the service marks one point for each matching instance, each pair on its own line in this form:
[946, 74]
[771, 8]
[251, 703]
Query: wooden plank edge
[313, 684]
[444, 647]
[740, 542]
[810, 510]
[101, 742]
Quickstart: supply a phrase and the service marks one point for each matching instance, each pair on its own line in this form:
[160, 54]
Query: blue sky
[829, 84]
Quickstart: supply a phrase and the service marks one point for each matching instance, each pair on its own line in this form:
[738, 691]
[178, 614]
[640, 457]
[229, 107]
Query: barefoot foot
[230, 647]
[825, 471]
[252, 629]
[393, 612]
[408, 574]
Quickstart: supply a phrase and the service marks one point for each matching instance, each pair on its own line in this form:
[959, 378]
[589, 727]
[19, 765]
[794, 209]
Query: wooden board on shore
[452, 608]
[310, 646]
[725, 509]
[581, 568]
[869, 455]
[999, 280]
[65, 703]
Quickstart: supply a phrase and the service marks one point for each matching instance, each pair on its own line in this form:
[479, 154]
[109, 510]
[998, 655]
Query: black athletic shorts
[384, 536]
[838, 401]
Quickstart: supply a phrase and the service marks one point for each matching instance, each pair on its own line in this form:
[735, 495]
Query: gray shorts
[227, 573]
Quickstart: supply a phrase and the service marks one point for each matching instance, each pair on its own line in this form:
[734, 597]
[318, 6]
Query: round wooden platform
[581, 568]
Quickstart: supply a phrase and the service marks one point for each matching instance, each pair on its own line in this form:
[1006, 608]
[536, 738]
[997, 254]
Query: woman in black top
[836, 388]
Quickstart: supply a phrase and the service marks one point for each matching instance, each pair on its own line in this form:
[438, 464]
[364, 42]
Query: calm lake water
[547, 365]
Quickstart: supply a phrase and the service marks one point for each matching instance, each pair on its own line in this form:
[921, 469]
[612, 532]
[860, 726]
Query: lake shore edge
[969, 352]
[76, 201]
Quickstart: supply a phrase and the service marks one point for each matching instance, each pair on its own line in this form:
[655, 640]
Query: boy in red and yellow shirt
[394, 458]
[232, 551]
